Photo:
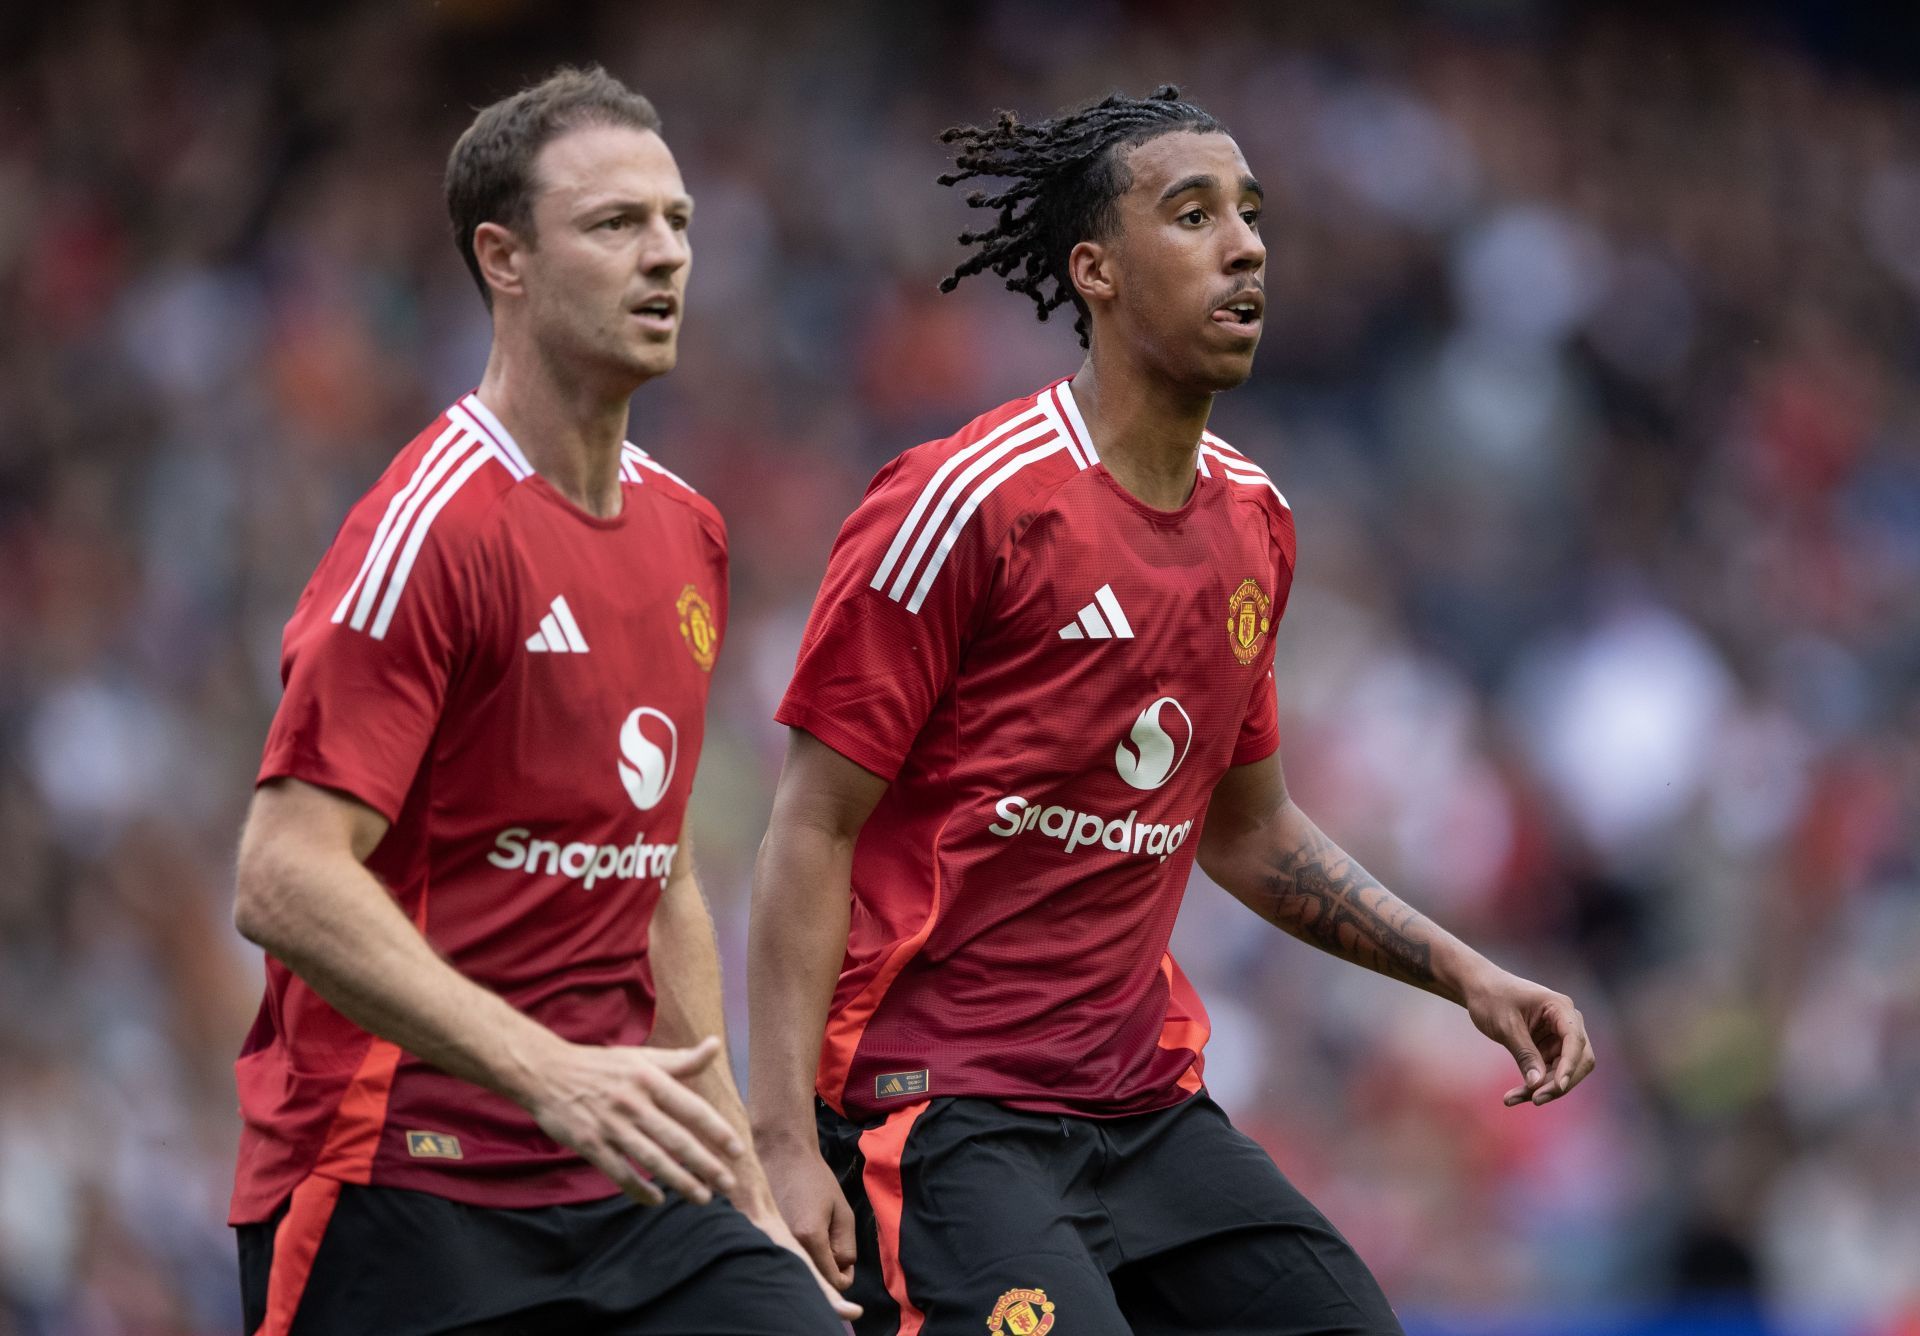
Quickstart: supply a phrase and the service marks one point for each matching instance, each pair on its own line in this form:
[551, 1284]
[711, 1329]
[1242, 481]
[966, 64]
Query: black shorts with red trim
[343, 1260]
[972, 1217]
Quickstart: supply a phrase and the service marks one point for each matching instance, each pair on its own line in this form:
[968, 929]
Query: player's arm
[687, 1011]
[1264, 850]
[305, 895]
[802, 897]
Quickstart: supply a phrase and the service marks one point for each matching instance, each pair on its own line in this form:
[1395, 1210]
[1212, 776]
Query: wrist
[527, 1058]
[1468, 978]
[784, 1134]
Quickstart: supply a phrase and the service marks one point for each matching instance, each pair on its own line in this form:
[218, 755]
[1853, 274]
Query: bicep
[823, 790]
[1245, 803]
[298, 837]
[291, 814]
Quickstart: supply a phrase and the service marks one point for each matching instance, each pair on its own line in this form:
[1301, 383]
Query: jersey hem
[520, 1196]
[848, 742]
[1258, 751]
[323, 776]
[857, 1112]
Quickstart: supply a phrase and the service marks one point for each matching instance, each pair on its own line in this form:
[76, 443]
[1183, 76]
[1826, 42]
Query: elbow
[257, 898]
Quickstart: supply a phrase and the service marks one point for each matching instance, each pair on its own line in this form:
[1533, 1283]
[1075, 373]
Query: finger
[645, 1152]
[843, 1308]
[686, 1061]
[616, 1166]
[1582, 1063]
[840, 1232]
[1527, 1058]
[687, 1108]
[813, 1238]
[1570, 1039]
[686, 1150]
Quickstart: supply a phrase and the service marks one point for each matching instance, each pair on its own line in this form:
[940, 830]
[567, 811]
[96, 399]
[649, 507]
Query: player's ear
[1090, 266]
[500, 253]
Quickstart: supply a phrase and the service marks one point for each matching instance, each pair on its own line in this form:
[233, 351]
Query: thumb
[1527, 1058]
[687, 1061]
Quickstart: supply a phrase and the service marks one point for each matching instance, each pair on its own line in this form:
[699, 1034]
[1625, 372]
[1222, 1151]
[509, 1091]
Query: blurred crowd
[1592, 372]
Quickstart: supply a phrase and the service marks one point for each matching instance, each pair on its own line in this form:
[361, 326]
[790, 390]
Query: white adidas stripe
[647, 461]
[1052, 400]
[462, 446]
[980, 494]
[418, 534]
[399, 501]
[1238, 468]
[1064, 394]
[564, 615]
[477, 418]
[1102, 619]
[961, 482]
[934, 484]
[1111, 606]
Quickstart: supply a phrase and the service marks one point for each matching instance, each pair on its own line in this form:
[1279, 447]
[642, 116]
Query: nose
[1246, 252]
[666, 249]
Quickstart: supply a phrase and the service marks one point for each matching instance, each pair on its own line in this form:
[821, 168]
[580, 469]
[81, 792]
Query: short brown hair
[490, 171]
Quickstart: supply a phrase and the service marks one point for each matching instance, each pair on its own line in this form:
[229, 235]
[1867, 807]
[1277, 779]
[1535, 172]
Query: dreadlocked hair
[1065, 174]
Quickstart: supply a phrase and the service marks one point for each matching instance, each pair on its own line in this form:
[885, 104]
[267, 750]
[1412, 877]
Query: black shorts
[973, 1218]
[359, 1261]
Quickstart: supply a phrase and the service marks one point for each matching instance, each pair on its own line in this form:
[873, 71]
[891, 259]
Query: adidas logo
[558, 633]
[1091, 625]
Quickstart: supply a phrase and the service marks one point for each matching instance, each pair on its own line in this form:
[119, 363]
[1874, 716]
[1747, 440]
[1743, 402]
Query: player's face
[606, 279]
[1187, 262]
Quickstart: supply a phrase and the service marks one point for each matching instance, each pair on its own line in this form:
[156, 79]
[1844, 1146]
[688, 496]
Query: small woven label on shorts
[433, 1146]
[895, 1084]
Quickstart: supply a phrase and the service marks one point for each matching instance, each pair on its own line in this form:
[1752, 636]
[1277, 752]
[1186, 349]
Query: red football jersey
[520, 689]
[1053, 675]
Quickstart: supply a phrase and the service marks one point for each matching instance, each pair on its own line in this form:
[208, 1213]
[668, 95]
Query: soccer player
[486, 1090]
[1036, 685]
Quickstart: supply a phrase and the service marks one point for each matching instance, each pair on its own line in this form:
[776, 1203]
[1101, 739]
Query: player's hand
[768, 1218]
[813, 1206]
[1543, 1030]
[626, 1106]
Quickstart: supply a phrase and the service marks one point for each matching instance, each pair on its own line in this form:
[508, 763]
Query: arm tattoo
[1321, 895]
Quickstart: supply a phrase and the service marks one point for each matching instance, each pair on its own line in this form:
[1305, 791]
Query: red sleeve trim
[315, 770]
[837, 734]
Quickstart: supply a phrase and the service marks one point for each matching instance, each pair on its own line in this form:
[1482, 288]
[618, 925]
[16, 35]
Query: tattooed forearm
[1318, 893]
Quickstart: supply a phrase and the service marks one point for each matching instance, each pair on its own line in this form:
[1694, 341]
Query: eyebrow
[620, 204]
[1202, 181]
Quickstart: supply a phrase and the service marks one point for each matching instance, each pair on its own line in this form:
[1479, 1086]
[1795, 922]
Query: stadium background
[1591, 374]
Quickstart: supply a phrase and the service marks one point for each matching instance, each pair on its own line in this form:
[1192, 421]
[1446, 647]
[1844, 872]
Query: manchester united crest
[1022, 1313]
[697, 628]
[1249, 616]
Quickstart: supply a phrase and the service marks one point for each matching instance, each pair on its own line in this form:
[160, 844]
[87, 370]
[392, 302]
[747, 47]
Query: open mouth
[1242, 312]
[657, 310]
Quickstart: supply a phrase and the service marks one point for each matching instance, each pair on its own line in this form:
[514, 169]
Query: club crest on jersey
[697, 627]
[1249, 615]
[1022, 1312]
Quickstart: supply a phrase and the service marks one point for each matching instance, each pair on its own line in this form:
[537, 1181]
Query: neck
[1146, 429]
[569, 428]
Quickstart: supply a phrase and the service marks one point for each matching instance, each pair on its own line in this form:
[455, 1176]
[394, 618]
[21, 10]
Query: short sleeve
[891, 619]
[365, 663]
[1260, 728]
